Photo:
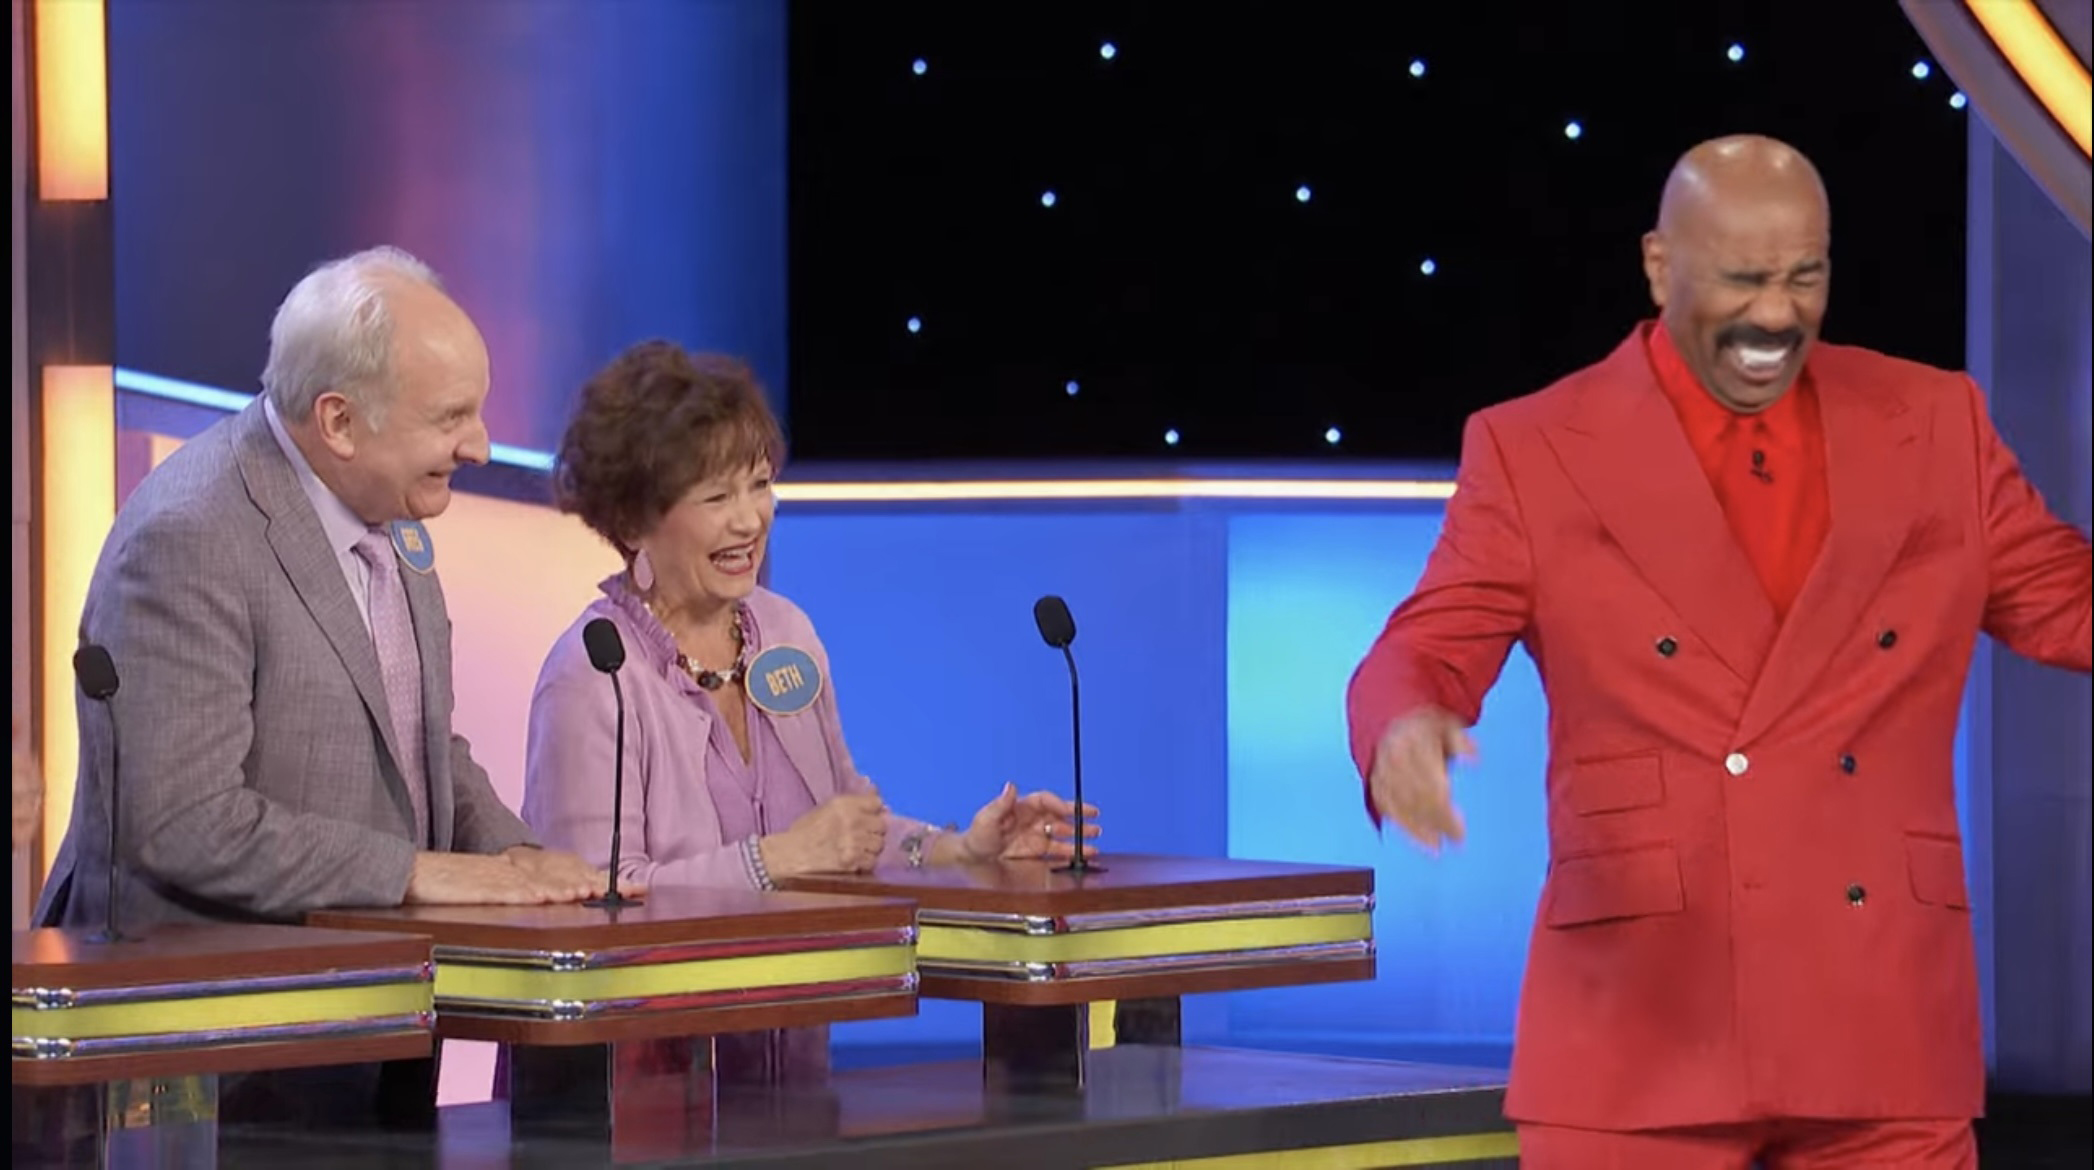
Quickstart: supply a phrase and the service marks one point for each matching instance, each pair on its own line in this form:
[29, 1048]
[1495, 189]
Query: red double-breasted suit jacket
[1755, 903]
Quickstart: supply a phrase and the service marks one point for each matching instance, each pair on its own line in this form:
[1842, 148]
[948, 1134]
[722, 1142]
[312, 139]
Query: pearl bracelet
[752, 860]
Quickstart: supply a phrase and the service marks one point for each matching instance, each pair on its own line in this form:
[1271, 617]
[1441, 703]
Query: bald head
[1739, 263]
[1742, 173]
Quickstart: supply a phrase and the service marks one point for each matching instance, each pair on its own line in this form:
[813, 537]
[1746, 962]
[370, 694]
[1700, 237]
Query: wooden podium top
[186, 1000]
[177, 954]
[1128, 882]
[1020, 933]
[686, 961]
[672, 914]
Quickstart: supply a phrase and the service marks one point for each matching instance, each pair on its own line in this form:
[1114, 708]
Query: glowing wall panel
[1308, 593]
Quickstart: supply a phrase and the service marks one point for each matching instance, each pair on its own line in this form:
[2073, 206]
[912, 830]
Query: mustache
[1759, 338]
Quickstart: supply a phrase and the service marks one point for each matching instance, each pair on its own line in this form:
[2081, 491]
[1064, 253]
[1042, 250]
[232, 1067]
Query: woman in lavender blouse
[670, 457]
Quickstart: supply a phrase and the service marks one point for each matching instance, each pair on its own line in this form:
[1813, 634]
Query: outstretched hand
[1409, 779]
[1038, 824]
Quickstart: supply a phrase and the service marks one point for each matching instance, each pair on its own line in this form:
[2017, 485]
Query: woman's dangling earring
[643, 572]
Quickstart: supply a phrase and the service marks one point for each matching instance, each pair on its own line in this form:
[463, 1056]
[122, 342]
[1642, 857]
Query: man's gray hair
[334, 332]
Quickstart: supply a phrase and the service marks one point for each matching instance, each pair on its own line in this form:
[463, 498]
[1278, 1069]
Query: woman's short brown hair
[650, 425]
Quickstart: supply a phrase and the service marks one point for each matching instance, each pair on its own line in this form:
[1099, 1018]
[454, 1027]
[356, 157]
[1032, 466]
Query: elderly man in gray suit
[268, 598]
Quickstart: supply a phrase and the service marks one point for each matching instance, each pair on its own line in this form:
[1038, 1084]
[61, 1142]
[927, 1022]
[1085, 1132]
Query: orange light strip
[78, 494]
[954, 491]
[72, 100]
[2044, 62]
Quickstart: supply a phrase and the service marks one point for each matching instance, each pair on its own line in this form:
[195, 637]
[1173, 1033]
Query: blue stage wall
[1215, 642]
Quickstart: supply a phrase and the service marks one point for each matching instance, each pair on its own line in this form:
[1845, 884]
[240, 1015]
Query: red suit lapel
[1872, 459]
[1624, 450]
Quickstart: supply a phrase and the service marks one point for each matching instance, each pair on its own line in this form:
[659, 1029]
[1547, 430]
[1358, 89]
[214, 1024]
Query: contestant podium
[118, 1046]
[608, 1013]
[1037, 948]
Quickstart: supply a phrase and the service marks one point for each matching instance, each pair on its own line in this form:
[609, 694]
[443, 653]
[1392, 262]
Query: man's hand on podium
[565, 875]
[474, 879]
[1014, 828]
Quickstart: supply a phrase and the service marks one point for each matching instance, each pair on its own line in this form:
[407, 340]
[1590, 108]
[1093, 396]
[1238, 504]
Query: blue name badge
[784, 680]
[412, 542]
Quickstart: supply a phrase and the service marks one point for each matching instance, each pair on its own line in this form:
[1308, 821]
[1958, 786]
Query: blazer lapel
[1626, 453]
[433, 646]
[301, 548]
[1872, 457]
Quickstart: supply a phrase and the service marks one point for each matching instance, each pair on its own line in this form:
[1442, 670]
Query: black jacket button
[1847, 764]
[1887, 639]
[1668, 647]
[1856, 895]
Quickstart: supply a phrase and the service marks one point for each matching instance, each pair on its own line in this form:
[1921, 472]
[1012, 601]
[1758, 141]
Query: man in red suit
[1751, 569]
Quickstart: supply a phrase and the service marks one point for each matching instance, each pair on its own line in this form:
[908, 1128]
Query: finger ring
[1047, 828]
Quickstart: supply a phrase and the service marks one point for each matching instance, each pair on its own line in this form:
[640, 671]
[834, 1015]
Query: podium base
[641, 1096]
[142, 1124]
[1047, 1048]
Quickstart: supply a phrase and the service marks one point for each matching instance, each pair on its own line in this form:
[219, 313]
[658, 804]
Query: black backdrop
[1182, 284]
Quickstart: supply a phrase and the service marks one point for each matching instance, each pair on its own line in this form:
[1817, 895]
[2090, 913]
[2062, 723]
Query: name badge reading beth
[784, 680]
[411, 541]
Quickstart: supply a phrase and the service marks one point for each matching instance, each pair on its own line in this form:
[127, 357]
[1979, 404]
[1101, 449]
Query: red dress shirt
[1767, 469]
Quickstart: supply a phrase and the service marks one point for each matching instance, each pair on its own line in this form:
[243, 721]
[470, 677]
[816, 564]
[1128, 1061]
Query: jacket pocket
[1627, 883]
[1936, 866]
[1616, 785]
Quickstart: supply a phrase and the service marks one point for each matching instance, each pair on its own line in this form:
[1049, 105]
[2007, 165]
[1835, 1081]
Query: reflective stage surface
[1143, 1105]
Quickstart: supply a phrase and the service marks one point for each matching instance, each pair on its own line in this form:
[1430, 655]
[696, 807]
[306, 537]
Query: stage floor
[1143, 1106]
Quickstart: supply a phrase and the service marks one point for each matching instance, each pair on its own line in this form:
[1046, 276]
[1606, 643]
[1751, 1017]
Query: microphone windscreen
[96, 671]
[1057, 627]
[606, 648]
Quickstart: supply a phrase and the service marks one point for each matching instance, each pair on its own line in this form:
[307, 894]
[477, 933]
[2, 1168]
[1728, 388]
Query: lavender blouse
[690, 799]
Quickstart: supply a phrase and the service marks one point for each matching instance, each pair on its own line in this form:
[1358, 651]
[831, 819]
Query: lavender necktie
[392, 628]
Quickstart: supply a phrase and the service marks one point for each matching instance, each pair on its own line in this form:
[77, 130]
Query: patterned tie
[392, 628]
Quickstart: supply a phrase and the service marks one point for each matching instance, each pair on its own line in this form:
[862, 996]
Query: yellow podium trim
[219, 1013]
[1434, 1151]
[950, 943]
[485, 982]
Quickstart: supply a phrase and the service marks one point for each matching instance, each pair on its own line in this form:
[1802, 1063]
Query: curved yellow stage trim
[937, 943]
[482, 982]
[1436, 1151]
[222, 1012]
[2045, 63]
[950, 491]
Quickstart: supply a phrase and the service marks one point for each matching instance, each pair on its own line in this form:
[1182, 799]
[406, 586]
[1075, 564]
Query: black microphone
[1058, 629]
[607, 654]
[96, 673]
[1759, 467]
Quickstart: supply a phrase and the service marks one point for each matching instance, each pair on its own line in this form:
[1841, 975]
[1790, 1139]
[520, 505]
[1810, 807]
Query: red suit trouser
[1770, 1145]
